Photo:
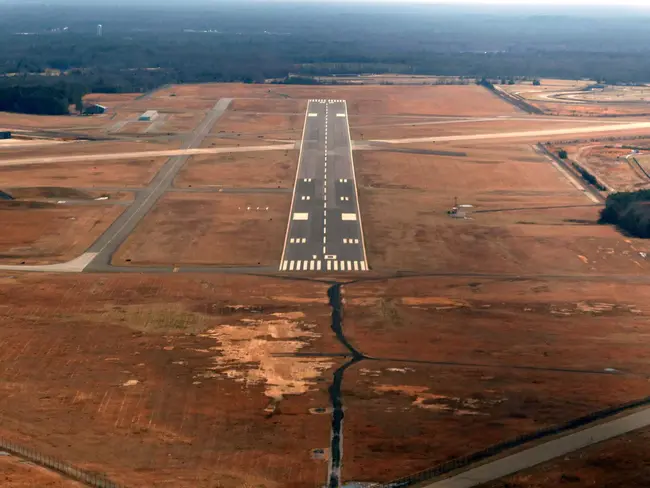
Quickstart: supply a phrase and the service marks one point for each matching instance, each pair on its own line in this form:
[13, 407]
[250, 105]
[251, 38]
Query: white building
[148, 116]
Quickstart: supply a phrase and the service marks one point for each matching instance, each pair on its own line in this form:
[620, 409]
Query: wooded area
[143, 48]
[630, 211]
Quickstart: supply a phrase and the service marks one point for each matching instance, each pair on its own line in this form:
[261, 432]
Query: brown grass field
[151, 380]
[194, 229]
[365, 100]
[44, 233]
[526, 216]
[205, 380]
[459, 365]
[618, 462]
[268, 169]
[15, 473]
[122, 173]
[267, 125]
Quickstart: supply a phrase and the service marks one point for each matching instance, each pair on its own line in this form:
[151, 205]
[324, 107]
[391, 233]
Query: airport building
[148, 116]
[94, 109]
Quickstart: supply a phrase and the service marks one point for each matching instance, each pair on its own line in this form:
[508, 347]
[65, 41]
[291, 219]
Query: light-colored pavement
[501, 118]
[76, 265]
[523, 134]
[546, 452]
[143, 154]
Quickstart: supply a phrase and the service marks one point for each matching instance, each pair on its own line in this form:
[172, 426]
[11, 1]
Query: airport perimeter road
[545, 452]
[116, 234]
[324, 232]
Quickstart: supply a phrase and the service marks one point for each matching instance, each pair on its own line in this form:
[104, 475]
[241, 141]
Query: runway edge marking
[295, 184]
[356, 190]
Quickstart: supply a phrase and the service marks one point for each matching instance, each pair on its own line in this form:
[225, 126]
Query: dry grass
[268, 169]
[49, 233]
[460, 365]
[123, 173]
[371, 100]
[15, 473]
[622, 461]
[535, 221]
[158, 405]
[195, 229]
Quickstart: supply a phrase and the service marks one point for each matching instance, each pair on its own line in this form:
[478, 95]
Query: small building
[94, 109]
[5, 134]
[148, 116]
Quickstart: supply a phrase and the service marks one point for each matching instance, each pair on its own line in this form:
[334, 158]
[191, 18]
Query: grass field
[525, 314]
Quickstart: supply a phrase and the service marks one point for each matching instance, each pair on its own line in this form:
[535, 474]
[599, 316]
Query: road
[104, 247]
[324, 232]
[523, 134]
[545, 452]
[185, 151]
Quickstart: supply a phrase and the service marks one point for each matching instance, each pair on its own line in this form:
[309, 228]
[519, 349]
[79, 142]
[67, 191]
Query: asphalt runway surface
[324, 232]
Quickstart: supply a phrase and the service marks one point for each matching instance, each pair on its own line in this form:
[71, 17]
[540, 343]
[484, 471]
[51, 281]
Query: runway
[324, 232]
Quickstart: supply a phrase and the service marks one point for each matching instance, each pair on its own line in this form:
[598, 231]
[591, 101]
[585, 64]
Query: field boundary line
[89, 478]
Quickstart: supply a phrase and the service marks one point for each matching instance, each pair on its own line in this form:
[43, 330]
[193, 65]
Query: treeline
[40, 99]
[630, 211]
[143, 48]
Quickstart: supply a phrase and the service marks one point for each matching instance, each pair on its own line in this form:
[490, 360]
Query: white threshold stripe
[317, 265]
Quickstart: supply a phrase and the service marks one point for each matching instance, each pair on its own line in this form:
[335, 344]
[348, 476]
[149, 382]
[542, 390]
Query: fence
[91, 479]
[501, 447]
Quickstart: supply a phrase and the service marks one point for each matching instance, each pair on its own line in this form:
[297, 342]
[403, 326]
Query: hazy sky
[518, 3]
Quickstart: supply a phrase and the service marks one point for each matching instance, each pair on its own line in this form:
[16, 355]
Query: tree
[537, 82]
[563, 154]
